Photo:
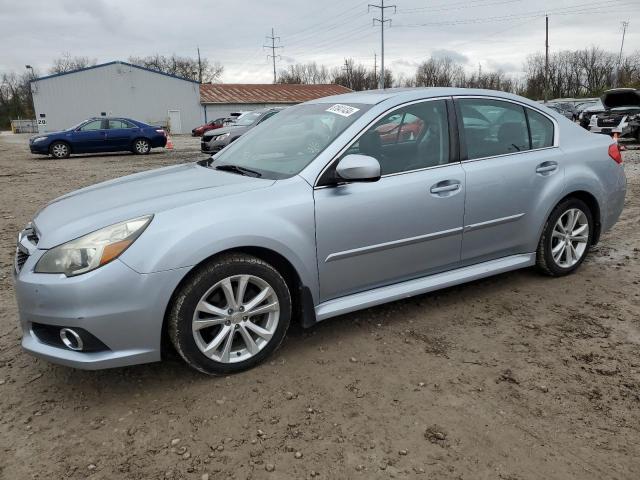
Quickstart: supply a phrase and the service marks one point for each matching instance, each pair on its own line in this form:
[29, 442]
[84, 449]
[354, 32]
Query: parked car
[584, 118]
[621, 113]
[218, 257]
[213, 142]
[212, 125]
[102, 134]
[565, 109]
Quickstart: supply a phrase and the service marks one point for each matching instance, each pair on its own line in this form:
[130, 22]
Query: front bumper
[41, 148]
[120, 307]
[212, 146]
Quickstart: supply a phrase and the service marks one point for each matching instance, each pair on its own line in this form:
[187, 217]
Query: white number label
[42, 121]
[342, 110]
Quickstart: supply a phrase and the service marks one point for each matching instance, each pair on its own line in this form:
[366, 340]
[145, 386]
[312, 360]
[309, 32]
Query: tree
[304, 73]
[67, 63]
[185, 67]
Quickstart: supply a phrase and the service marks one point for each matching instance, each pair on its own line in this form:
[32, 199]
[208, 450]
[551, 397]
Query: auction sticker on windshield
[343, 110]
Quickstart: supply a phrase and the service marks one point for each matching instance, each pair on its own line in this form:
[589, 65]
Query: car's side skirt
[390, 293]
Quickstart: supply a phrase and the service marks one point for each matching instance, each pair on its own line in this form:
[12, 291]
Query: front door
[512, 173]
[90, 137]
[407, 224]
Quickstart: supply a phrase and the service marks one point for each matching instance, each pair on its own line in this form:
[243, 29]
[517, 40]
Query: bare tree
[304, 73]
[67, 63]
[185, 67]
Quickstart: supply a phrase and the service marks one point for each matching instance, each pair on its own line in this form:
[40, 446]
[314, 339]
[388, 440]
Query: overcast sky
[496, 34]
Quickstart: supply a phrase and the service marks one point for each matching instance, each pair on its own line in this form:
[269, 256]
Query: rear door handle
[546, 168]
[445, 187]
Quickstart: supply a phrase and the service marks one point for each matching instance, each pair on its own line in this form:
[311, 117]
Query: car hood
[621, 98]
[89, 209]
[220, 131]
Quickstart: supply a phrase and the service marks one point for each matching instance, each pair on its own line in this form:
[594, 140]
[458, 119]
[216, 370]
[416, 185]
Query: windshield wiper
[239, 170]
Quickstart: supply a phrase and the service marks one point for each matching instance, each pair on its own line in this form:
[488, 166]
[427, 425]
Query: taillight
[614, 152]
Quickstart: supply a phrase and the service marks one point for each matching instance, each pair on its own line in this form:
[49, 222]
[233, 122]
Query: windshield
[282, 147]
[247, 119]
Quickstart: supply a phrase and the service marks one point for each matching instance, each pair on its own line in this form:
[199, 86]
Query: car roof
[400, 95]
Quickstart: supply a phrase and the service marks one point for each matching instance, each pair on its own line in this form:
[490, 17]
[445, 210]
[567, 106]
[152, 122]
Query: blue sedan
[102, 134]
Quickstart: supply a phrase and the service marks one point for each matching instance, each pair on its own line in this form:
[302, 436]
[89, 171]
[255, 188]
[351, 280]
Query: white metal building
[222, 99]
[116, 89]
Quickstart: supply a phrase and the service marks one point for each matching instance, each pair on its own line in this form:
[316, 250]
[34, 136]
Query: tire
[554, 259]
[60, 150]
[203, 300]
[141, 146]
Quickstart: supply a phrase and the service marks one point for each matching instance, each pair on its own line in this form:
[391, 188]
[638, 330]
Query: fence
[24, 126]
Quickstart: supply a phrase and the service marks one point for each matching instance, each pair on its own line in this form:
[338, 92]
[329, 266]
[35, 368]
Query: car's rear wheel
[566, 238]
[60, 150]
[230, 315]
[141, 146]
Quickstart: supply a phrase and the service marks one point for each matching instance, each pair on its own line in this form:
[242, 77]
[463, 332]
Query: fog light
[71, 339]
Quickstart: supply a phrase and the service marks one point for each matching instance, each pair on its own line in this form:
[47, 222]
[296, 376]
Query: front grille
[27, 240]
[609, 121]
[21, 259]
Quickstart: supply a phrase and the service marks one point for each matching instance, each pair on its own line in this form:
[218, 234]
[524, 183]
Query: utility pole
[375, 67]
[546, 59]
[199, 66]
[382, 21]
[273, 48]
[624, 31]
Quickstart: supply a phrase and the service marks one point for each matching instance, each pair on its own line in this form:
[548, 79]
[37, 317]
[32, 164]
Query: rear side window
[492, 127]
[541, 129]
[116, 124]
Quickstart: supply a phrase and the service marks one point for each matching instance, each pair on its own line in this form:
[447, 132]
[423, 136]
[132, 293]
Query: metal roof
[113, 63]
[266, 93]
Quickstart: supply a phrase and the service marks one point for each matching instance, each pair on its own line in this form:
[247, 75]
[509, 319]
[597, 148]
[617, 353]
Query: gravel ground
[514, 377]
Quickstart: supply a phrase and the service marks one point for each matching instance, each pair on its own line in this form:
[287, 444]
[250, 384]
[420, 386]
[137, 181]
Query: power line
[382, 21]
[273, 48]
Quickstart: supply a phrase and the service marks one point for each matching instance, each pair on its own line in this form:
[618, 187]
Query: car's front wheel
[59, 150]
[566, 238]
[230, 315]
[141, 146]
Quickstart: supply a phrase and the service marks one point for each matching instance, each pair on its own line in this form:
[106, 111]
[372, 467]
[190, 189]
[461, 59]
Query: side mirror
[358, 168]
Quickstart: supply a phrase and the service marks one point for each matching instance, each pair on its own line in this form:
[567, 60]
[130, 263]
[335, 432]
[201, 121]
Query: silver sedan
[342, 203]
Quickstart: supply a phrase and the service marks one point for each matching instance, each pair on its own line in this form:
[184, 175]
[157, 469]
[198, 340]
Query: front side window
[410, 138]
[282, 149]
[492, 127]
[93, 125]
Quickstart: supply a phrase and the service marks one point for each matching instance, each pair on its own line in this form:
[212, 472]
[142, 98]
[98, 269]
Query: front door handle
[445, 187]
[547, 168]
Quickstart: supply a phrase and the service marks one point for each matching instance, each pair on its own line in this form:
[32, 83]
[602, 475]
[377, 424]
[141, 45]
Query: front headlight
[39, 139]
[222, 136]
[93, 250]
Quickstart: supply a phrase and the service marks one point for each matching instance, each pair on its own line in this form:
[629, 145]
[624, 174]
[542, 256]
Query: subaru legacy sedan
[101, 134]
[218, 257]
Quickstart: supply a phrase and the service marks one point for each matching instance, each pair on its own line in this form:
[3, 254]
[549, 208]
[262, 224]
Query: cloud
[452, 54]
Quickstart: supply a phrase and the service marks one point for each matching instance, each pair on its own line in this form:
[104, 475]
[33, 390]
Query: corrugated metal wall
[118, 90]
[224, 110]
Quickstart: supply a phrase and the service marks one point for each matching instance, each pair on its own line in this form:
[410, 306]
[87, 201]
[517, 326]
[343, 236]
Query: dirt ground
[514, 377]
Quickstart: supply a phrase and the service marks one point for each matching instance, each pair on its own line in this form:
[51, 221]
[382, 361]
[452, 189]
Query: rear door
[406, 225]
[119, 134]
[90, 137]
[513, 171]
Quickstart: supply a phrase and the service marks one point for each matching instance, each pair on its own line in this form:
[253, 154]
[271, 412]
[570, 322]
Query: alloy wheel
[236, 318]
[142, 146]
[59, 150]
[570, 238]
